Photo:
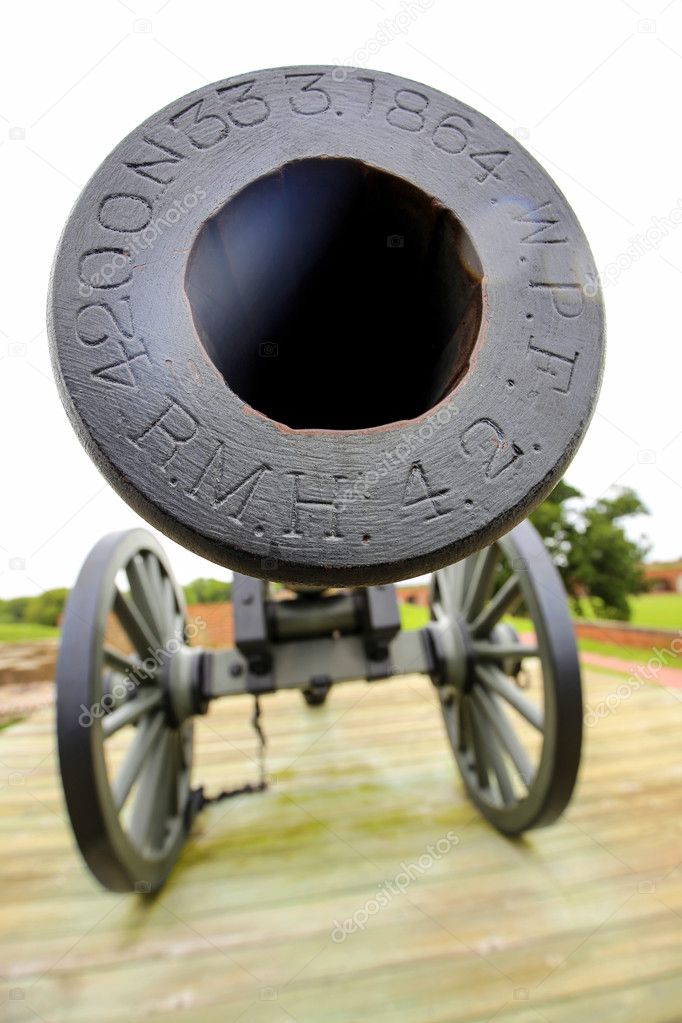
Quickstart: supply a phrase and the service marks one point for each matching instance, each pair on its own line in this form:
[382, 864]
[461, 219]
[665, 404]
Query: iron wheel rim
[120, 858]
[472, 716]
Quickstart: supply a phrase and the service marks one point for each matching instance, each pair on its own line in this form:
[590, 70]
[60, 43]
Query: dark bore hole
[331, 295]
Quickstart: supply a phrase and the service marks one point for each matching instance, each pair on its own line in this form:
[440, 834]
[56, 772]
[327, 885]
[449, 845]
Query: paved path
[649, 672]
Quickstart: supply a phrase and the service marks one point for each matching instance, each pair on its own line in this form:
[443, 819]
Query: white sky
[592, 89]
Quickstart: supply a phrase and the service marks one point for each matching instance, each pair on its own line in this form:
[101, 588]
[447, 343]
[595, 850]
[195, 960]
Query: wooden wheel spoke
[494, 679]
[147, 733]
[134, 624]
[505, 734]
[171, 612]
[499, 651]
[150, 812]
[497, 760]
[118, 688]
[451, 588]
[481, 582]
[463, 730]
[144, 596]
[480, 744]
[507, 598]
[183, 774]
[180, 789]
[161, 584]
[131, 711]
[120, 662]
[439, 612]
[155, 574]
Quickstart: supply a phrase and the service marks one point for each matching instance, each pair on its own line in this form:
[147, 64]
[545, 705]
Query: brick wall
[413, 595]
[623, 634]
[218, 627]
[664, 578]
[216, 631]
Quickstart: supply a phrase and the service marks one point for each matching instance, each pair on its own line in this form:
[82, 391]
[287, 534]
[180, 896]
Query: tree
[207, 591]
[599, 564]
[14, 609]
[590, 548]
[46, 608]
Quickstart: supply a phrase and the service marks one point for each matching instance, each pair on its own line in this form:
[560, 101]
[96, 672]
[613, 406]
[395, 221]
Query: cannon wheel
[125, 761]
[517, 746]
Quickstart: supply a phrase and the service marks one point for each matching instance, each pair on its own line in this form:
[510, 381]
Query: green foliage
[46, 608]
[13, 610]
[34, 617]
[600, 565]
[208, 591]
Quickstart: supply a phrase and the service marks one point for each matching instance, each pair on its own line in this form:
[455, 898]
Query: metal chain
[262, 784]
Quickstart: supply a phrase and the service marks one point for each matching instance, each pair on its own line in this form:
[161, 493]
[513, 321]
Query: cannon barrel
[326, 325]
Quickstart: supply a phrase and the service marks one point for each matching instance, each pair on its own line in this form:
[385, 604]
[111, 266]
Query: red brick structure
[664, 577]
[215, 623]
[210, 625]
[418, 595]
[622, 634]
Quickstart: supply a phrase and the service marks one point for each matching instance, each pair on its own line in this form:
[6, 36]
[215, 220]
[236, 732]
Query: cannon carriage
[366, 349]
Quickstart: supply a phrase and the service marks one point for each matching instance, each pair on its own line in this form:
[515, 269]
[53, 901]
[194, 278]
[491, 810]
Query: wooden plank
[580, 919]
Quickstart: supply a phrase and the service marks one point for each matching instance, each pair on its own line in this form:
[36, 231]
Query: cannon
[329, 328]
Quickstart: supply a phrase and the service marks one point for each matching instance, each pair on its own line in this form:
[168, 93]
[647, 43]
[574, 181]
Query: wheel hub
[181, 683]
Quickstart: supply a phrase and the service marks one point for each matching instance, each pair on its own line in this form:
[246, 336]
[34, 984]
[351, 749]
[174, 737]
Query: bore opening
[332, 295]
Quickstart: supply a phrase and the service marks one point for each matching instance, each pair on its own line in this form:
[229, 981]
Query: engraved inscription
[486, 440]
[124, 212]
[202, 129]
[408, 110]
[104, 268]
[211, 481]
[419, 493]
[245, 107]
[559, 367]
[311, 98]
[305, 509]
[167, 433]
[97, 322]
[546, 228]
[371, 82]
[489, 163]
[568, 299]
[449, 135]
[203, 465]
[157, 166]
[119, 372]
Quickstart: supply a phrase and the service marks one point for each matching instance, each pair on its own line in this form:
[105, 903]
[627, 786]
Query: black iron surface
[441, 388]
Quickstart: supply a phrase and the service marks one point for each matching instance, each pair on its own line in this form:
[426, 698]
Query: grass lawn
[625, 653]
[412, 616]
[25, 632]
[630, 653]
[657, 610]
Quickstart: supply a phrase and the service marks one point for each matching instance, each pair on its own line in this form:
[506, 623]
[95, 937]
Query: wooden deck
[581, 921]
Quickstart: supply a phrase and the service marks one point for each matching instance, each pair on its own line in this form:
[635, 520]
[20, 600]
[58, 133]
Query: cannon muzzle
[326, 325]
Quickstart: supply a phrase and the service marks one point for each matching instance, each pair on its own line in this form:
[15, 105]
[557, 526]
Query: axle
[314, 663]
[310, 641]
